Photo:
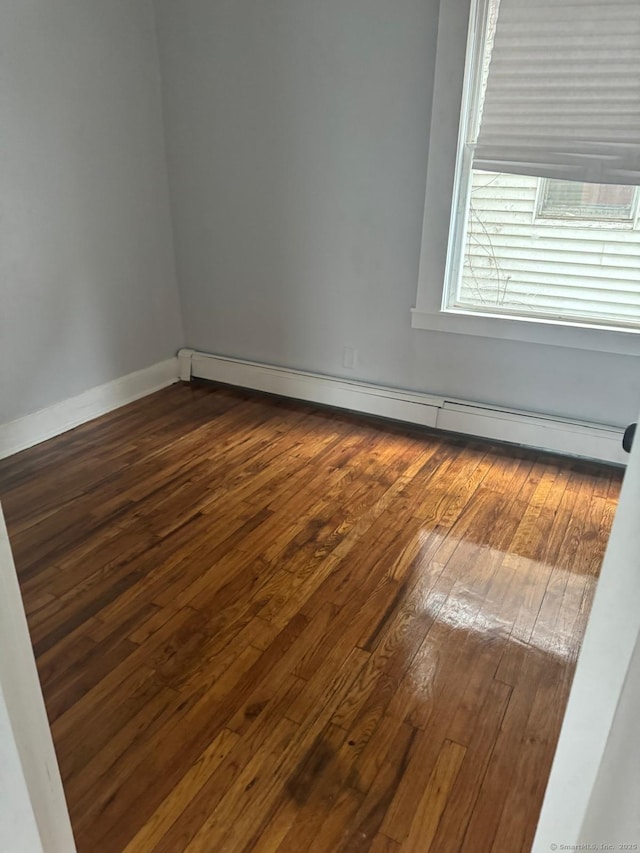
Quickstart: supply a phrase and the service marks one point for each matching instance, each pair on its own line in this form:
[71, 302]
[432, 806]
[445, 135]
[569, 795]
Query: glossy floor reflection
[261, 626]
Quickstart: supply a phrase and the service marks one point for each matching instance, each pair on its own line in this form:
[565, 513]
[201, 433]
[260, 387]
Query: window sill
[587, 224]
[530, 330]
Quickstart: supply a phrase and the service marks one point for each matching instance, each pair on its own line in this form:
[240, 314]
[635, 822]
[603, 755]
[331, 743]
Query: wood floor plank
[123, 746]
[496, 784]
[457, 811]
[313, 789]
[367, 821]
[435, 797]
[382, 844]
[517, 825]
[262, 625]
[201, 806]
[182, 794]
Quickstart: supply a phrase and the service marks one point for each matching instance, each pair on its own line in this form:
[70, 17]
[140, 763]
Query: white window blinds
[562, 95]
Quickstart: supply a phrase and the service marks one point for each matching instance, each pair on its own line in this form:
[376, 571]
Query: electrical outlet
[349, 357]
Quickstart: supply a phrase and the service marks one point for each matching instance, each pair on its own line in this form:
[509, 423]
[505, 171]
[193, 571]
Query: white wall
[18, 827]
[32, 802]
[87, 272]
[592, 796]
[613, 815]
[298, 137]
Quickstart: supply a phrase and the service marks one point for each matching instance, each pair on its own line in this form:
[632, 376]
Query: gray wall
[87, 273]
[298, 137]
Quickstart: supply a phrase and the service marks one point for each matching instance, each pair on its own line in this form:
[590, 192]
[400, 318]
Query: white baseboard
[32, 429]
[342, 393]
[544, 432]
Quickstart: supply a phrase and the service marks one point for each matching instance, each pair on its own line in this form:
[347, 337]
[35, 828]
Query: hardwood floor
[262, 626]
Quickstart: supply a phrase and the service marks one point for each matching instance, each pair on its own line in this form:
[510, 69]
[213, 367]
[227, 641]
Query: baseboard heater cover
[545, 432]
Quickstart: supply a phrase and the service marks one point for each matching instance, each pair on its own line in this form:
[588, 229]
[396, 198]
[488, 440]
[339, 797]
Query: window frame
[459, 49]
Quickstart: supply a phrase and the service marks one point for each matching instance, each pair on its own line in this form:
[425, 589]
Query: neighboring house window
[545, 213]
[591, 202]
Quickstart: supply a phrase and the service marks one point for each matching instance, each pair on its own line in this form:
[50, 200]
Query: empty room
[319, 375]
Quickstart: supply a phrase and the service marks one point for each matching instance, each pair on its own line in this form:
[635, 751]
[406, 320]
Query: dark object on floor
[627, 438]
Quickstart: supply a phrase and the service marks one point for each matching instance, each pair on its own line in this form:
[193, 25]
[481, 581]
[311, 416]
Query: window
[544, 223]
[543, 248]
[590, 202]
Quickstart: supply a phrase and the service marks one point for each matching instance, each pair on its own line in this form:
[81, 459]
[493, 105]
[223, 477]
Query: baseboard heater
[544, 432]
